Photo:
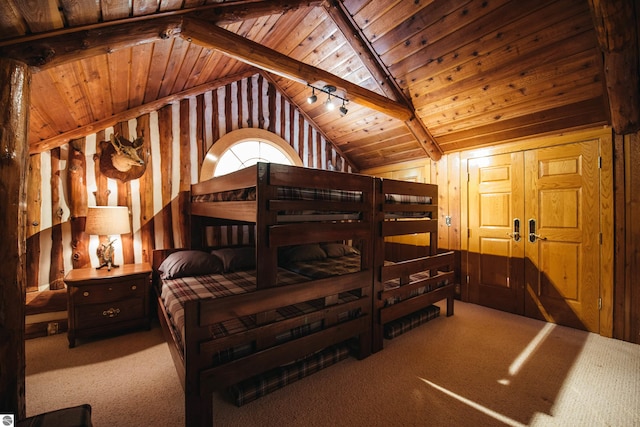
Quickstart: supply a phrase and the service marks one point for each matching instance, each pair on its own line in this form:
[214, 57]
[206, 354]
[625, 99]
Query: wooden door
[552, 271]
[563, 261]
[496, 255]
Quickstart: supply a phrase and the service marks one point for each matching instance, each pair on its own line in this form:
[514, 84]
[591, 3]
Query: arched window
[245, 147]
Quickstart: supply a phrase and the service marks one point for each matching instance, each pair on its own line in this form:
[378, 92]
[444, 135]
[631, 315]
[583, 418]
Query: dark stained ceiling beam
[617, 29]
[227, 13]
[250, 52]
[376, 67]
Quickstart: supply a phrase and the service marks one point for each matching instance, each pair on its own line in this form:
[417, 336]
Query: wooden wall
[626, 311]
[65, 180]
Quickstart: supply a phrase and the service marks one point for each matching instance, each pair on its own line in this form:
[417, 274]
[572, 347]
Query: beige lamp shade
[107, 220]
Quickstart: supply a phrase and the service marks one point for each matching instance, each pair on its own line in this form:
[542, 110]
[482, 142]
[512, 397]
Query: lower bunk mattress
[394, 293]
[175, 292]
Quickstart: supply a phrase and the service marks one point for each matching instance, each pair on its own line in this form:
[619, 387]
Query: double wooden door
[534, 233]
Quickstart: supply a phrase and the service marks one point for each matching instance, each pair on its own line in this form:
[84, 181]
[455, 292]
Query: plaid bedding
[405, 199]
[284, 193]
[176, 291]
[294, 193]
[327, 267]
[395, 284]
[261, 385]
[410, 321]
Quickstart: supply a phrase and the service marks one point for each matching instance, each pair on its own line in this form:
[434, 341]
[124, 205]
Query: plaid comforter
[175, 292]
[327, 267]
[406, 199]
[284, 193]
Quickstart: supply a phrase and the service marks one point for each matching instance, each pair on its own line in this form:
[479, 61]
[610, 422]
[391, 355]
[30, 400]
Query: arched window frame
[230, 139]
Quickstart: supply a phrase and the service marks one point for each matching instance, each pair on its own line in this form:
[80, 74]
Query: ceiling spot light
[343, 109]
[328, 89]
[329, 103]
[313, 98]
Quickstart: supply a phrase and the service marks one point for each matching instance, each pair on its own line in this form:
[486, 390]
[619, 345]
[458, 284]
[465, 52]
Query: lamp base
[105, 256]
[108, 264]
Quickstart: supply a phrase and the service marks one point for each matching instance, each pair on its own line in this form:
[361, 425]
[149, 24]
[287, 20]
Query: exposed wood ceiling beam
[617, 28]
[250, 52]
[68, 47]
[46, 50]
[219, 12]
[227, 13]
[376, 67]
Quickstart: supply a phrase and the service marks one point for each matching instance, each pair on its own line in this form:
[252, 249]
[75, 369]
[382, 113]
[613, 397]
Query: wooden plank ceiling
[423, 77]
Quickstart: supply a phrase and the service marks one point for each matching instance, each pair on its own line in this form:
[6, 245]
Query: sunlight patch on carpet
[519, 362]
[504, 419]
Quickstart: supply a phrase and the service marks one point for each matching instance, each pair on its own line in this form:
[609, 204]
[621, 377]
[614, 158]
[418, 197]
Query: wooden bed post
[14, 96]
[198, 406]
[378, 262]
[266, 255]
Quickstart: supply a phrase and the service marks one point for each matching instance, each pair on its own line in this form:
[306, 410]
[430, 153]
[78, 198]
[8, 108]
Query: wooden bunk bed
[408, 286]
[311, 314]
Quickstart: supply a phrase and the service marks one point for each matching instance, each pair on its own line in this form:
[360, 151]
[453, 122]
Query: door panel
[553, 272]
[495, 258]
[562, 277]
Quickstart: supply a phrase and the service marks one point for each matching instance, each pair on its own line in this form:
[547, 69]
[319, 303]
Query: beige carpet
[480, 367]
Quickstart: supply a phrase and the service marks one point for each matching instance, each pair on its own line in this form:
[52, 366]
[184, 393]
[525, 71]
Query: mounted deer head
[126, 153]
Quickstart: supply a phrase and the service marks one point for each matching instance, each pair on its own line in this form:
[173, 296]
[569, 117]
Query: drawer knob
[112, 312]
[134, 287]
[85, 294]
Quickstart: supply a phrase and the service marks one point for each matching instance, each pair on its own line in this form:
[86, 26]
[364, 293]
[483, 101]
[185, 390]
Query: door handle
[532, 232]
[516, 230]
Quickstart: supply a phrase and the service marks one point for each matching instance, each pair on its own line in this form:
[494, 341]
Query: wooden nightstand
[102, 302]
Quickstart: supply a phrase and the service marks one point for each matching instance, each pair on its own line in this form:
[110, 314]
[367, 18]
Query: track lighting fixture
[329, 105]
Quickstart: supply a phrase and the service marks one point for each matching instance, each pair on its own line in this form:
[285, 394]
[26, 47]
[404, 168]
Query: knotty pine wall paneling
[65, 181]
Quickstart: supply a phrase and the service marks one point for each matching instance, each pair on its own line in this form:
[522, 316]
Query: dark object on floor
[261, 385]
[410, 321]
[76, 416]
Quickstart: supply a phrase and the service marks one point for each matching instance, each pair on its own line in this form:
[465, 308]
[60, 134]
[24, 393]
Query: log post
[14, 122]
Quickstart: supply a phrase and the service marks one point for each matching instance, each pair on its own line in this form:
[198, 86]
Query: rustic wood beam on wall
[250, 52]
[617, 28]
[77, 194]
[15, 92]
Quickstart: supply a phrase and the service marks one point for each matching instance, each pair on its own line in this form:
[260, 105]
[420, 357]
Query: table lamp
[107, 221]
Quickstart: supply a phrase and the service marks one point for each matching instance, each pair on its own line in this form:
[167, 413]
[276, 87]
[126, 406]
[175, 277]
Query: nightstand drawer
[93, 294]
[105, 301]
[94, 315]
